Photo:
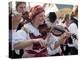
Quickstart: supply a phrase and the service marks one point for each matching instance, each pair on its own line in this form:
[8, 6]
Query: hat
[35, 11]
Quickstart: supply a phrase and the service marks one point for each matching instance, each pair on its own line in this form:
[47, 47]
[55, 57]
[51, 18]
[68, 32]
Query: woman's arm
[26, 43]
[23, 44]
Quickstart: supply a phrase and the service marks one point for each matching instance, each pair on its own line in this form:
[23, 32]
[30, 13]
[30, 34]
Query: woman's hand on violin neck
[67, 34]
[64, 37]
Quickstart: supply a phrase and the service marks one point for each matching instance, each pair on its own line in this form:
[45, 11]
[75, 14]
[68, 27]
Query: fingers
[41, 41]
[63, 38]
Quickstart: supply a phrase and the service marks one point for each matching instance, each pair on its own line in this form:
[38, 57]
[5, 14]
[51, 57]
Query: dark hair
[52, 17]
[18, 3]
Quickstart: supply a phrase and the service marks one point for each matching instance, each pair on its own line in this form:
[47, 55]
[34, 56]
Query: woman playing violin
[29, 38]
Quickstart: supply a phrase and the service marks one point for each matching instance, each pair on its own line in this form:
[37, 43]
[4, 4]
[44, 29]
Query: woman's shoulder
[73, 25]
[29, 28]
[21, 32]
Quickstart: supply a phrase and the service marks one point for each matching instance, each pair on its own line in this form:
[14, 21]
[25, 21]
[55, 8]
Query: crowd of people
[32, 34]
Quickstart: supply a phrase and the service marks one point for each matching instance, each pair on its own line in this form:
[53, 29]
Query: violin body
[43, 29]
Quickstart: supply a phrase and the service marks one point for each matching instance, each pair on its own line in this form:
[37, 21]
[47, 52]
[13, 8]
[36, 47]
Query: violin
[56, 30]
[43, 29]
[26, 19]
[25, 16]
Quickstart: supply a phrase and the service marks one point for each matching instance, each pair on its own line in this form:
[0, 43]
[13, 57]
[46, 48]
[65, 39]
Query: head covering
[35, 11]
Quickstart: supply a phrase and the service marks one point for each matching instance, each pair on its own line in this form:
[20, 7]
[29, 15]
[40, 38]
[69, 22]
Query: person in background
[14, 20]
[71, 47]
[55, 40]
[72, 41]
[17, 15]
[51, 19]
[73, 28]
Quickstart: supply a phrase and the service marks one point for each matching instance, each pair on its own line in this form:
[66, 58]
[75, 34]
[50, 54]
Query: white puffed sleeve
[19, 36]
[73, 28]
[52, 42]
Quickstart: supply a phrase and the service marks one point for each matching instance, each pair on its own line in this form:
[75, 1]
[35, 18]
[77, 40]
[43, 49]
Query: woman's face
[21, 8]
[39, 19]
